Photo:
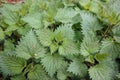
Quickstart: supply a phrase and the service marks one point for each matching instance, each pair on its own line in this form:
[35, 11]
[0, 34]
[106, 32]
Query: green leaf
[29, 47]
[11, 7]
[28, 2]
[116, 32]
[34, 7]
[50, 12]
[66, 31]
[68, 48]
[78, 68]
[37, 73]
[109, 12]
[65, 15]
[113, 66]
[90, 59]
[34, 20]
[10, 29]
[62, 74]
[62, 39]
[10, 17]
[94, 6]
[109, 46]
[23, 30]
[90, 44]
[69, 3]
[85, 3]
[28, 68]
[19, 77]
[101, 57]
[53, 48]
[66, 35]
[100, 72]
[53, 63]
[2, 35]
[118, 75]
[89, 23]
[11, 65]
[45, 36]
[9, 47]
[114, 6]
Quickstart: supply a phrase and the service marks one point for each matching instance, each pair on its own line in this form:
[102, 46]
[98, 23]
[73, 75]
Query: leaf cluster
[60, 40]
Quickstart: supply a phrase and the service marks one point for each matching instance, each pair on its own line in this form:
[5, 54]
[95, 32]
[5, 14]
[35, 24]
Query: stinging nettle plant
[60, 40]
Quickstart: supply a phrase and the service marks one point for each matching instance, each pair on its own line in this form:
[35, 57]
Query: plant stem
[105, 33]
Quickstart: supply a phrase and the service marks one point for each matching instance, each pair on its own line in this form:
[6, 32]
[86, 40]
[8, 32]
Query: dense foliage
[60, 40]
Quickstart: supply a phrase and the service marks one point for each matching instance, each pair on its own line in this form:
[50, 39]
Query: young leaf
[34, 7]
[66, 31]
[29, 47]
[85, 3]
[90, 59]
[65, 34]
[94, 6]
[101, 57]
[53, 47]
[62, 39]
[50, 12]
